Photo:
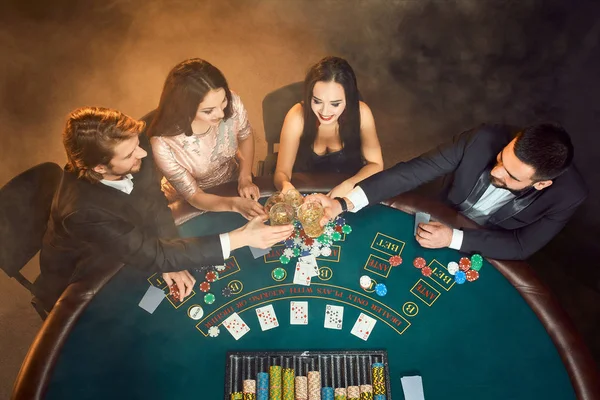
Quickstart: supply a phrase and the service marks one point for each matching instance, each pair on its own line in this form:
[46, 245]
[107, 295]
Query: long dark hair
[333, 69]
[185, 88]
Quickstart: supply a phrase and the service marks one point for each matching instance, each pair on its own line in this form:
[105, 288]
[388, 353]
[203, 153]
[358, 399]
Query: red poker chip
[205, 286]
[211, 276]
[395, 260]
[174, 291]
[464, 264]
[472, 275]
[309, 241]
[426, 271]
[338, 228]
[419, 262]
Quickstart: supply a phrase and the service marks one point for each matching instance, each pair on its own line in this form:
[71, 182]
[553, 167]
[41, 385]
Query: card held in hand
[298, 312]
[363, 326]
[334, 317]
[267, 318]
[236, 326]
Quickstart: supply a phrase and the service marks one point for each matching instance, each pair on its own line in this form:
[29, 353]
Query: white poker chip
[452, 268]
[288, 253]
[304, 247]
[365, 282]
[315, 251]
[328, 230]
[195, 312]
[297, 241]
[326, 251]
[214, 331]
[220, 267]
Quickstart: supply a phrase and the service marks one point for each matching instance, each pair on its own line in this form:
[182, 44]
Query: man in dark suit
[109, 208]
[518, 184]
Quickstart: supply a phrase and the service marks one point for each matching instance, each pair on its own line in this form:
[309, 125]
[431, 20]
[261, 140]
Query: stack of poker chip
[340, 394]
[275, 382]
[466, 269]
[327, 393]
[262, 386]
[299, 244]
[288, 384]
[314, 385]
[249, 389]
[237, 396]
[353, 393]
[378, 379]
[366, 392]
[301, 388]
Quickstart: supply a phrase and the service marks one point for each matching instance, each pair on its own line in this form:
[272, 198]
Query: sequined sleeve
[244, 129]
[177, 175]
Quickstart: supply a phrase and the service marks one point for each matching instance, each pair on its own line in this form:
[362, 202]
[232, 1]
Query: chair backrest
[275, 106]
[25, 204]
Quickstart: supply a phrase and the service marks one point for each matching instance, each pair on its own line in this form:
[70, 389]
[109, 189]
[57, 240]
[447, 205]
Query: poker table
[503, 336]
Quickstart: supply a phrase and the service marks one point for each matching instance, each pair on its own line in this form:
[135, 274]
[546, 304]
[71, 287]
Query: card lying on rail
[152, 299]
[363, 326]
[236, 326]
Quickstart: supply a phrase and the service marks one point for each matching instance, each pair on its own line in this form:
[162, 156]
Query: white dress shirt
[491, 201]
[125, 185]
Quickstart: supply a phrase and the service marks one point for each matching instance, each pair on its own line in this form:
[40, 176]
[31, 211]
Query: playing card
[299, 312]
[309, 262]
[363, 326]
[153, 297]
[256, 252]
[267, 318]
[301, 275]
[421, 217]
[236, 326]
[334, 317]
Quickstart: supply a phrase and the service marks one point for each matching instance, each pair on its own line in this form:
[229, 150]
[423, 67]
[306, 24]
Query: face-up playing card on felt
[267, 318]
[363, 326]
[301, 275]
[334, 317]
[299, 312]
[236, 326]
[309, 262]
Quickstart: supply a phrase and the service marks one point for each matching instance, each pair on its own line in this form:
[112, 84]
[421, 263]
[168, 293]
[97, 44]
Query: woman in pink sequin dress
[201, 137]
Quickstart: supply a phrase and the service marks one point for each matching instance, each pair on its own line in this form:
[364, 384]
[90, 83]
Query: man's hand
[247, 189]
[434, 235]
[332, 207]
[248, 207]
[184, 280]
[256, 234]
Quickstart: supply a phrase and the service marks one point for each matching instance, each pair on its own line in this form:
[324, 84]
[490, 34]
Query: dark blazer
[93, 225]
[516, 230]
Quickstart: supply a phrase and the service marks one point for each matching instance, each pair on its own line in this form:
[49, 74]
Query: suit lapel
[514, 207]
[478, 190]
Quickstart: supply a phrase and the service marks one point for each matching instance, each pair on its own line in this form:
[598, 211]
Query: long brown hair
[185, 88]
[90, 136]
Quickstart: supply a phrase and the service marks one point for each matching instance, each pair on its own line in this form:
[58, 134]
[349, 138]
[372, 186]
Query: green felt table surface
[479, 340]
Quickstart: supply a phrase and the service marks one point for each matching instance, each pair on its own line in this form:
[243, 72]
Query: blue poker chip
[289, 243]
[381, 289]
[340, 221]
[305, 253]
[460, 277]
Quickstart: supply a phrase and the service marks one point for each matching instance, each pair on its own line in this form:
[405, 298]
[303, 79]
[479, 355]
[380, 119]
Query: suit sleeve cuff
[457, 239]
[225, 245]
[358, 198]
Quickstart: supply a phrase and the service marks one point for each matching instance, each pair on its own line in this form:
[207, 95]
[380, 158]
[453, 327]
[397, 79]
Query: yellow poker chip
[195, 312]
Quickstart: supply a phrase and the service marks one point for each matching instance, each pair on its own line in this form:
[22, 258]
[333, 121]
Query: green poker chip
[284, 259]
[336, 236]
[346, 229]
[279, 274]
[209, 298]
[476, 262]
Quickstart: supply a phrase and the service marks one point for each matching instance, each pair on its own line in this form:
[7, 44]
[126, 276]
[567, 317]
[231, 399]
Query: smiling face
[127, 159]
[212, 108]
[513, 174]
[328, 101]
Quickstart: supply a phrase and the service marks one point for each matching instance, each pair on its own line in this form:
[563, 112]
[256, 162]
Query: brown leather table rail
[36, 370]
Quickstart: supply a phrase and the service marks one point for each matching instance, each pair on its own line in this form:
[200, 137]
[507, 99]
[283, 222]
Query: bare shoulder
[294, 120]
[365, 110]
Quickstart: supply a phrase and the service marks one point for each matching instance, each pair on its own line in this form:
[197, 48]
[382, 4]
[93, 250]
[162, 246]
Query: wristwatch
[342, 203]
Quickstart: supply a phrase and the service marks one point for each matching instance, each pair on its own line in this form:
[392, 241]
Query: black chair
[25, 204]
[275, 106]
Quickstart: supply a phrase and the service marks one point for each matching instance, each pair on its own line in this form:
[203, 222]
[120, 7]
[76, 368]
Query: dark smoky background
[428, 69]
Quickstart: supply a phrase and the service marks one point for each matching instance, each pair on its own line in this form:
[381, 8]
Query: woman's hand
[247, 189]
[341, 190]
[248, 207]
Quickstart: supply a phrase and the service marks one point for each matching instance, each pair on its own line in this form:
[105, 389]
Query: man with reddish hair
[109, 208]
